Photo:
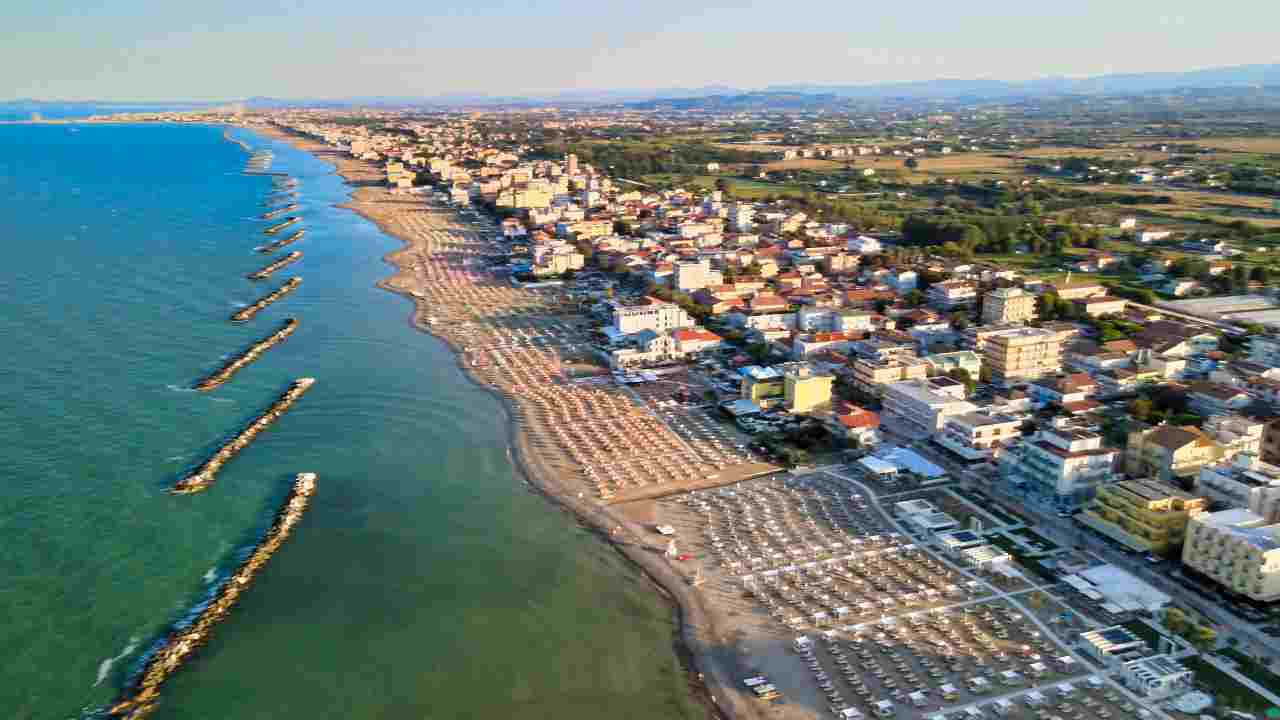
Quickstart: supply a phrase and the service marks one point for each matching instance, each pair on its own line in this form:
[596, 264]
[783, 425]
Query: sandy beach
[519, 344]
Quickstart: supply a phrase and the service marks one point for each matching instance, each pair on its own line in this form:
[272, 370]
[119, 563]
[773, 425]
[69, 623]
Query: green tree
[914, 298]
[961, 375]
[1140, 409]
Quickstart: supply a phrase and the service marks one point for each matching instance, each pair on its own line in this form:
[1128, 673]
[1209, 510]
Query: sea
[426, 580]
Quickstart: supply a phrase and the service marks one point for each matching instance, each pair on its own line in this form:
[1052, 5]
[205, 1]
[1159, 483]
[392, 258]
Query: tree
[914, 298]
[1140, 409]
[961, 375]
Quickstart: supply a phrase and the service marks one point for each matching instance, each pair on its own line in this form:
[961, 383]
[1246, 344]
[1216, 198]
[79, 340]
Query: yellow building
[1147, 516]
[762, 386]
[1237, 549]
[1169, 453]
[1008, 305]
[805, 388]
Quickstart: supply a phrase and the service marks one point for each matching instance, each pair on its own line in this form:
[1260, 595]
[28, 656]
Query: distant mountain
[1120, 84]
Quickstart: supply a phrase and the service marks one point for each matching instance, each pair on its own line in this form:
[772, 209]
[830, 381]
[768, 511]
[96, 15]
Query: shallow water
[424, 582]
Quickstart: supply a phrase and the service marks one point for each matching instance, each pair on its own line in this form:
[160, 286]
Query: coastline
[710, 673]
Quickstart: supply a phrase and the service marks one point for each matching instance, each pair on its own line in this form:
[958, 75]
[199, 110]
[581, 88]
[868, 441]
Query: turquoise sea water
[424, 582]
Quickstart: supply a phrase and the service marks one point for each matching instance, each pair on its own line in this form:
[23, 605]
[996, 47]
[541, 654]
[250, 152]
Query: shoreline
[710, 679]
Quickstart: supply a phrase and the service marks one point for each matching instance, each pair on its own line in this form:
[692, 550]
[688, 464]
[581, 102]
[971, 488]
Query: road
[1067, 533]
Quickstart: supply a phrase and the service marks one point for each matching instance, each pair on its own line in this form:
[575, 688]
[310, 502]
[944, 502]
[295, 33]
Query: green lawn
[1148, 634]
[1226, 690]
[1253, 670]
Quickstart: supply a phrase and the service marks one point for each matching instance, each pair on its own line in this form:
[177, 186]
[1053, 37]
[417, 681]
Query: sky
[147, 50]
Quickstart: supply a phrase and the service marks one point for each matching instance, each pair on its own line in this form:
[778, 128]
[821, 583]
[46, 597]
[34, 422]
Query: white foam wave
[211, 575]
[222, 400]
[175, 388]
[104, 668]
[174, 458]
[239, 304]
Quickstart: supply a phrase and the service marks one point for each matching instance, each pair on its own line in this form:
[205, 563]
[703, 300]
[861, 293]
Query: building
[1102, 305]
[1145, 515]
[1169, 453]
[864, 245]
[1238, 549]
[1079, 290]
[805, 388]
[1156, 677]
[1113, 646]
[951, 295]
[1206, 398]
[922, 406]
[1062, 390]
[1236, 434]
[1021, 354]
[1245, 482]
[967, 360]
[871, 375]
[691, 275]
[1008, 305]
[652, 314]
[763, 386]
[978, 436]
[1062, 463]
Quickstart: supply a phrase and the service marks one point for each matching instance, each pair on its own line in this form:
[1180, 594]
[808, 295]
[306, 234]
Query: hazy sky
[226, 49]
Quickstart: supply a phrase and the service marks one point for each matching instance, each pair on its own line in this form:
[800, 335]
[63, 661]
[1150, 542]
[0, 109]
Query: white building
[951, 295]
[978, 436]
[1156, 677]
[652, 314]
[864, 245]
[1066, 464]
[690, 275]
[923, 406]
[1244, 482]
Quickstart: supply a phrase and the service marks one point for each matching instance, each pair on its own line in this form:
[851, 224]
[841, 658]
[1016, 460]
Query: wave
[175, 388]
[104, 668]
[239, 304]
[211, 575]
[174, 458]
[222, 400]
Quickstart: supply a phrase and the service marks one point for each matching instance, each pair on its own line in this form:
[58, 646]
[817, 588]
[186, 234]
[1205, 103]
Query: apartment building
[1169, 453]
[1064, 463]
[1145, 515]
[805, 388]
[951, 295]
[1237, 549]
[872, 375]
[967, 360]
[691, 275]
[1021, 354]
[1008, 305]
[1243, 481]
[978, 435]
[651, 314]
[1236, 433]
[922, 406]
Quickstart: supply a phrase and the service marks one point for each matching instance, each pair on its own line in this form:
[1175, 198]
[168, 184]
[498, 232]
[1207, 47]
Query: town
[938, 413]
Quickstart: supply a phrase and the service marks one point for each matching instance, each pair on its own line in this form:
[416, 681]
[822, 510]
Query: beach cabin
[1038, 669]
[883, 708]
[756, 681]
[1066, 664]
[1002, 707]
[950, 693]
